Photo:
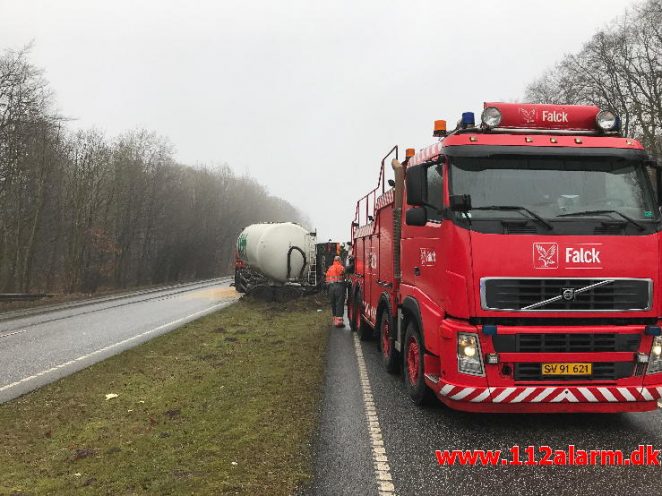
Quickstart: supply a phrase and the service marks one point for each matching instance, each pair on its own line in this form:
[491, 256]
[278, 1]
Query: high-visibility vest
[335, 273]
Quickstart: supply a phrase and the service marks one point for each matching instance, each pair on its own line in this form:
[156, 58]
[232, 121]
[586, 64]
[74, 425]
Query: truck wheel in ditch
[386, 339]
[237, 283]
[413, 366]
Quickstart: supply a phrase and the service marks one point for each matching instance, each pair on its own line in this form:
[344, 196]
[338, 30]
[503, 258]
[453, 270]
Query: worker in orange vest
[335, 279]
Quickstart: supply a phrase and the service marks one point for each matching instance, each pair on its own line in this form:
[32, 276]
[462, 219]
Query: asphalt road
[345, 459]
[41, 345]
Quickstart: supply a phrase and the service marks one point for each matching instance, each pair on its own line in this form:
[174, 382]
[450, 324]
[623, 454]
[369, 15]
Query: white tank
[266, 248]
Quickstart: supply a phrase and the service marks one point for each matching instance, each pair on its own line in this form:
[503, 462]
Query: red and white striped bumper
[544, 396]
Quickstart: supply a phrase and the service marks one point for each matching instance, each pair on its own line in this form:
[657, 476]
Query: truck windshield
[552, 187]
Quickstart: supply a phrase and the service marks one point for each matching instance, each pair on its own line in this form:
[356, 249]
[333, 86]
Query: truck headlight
[607, 121]
[469, 357]
[491, 117]
[655, 358]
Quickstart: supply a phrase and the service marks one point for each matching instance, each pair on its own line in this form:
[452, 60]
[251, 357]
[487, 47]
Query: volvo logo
[568, 294]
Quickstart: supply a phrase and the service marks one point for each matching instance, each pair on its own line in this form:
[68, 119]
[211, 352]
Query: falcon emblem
[546, 255]
[528, 116]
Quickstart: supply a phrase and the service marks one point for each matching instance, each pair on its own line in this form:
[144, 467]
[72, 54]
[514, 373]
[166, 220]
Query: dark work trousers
[337, 297]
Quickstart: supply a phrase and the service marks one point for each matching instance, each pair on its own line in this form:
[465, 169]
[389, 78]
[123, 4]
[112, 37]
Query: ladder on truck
[312, 264]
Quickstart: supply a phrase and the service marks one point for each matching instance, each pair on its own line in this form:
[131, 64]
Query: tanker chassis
[514, 265]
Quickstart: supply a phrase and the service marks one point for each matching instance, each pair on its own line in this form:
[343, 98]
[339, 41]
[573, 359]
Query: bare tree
[82, 212]
[620, 69]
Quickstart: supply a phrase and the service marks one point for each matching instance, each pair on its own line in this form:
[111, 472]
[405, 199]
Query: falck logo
[428, 257]
[545, 255]
[372, 259]
[528, 116]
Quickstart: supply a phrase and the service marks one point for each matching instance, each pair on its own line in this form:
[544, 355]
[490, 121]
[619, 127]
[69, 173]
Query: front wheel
[238, 283]
[390, 356]
[413, 362]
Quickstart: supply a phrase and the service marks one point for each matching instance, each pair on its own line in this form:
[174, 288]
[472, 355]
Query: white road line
[109, 347]
[13, 333]
[382, 468]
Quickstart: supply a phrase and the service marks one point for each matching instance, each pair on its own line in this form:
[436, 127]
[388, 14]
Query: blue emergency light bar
[468, 120]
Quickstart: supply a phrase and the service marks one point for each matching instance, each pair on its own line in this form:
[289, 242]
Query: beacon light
[439, 128]
[468, 120]
[410, 152]
[491, 117]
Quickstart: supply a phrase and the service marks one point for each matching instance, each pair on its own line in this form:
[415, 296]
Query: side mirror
[416, 216]
[417, 187]
[655, 175]
[460, 203]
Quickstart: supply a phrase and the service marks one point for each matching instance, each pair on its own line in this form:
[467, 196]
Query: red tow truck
[515, 264]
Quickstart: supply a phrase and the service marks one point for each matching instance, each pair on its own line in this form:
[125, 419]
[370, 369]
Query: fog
[304, 96]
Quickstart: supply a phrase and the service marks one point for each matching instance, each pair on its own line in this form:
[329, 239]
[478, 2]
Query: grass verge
[224, 405]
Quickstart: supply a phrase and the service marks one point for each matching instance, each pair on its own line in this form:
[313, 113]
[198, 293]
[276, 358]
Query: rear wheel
[356, 321]
[390, 356]
[365, 331]
[354, 311]
[413, 364]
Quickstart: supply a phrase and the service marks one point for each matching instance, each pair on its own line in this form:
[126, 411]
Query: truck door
[422, 263]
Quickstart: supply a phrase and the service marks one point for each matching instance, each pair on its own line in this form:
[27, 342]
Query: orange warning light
[439, 128]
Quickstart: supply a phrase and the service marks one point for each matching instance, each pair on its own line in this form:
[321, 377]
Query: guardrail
[23, 296]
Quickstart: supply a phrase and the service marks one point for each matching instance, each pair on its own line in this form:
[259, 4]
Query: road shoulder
[343, 459]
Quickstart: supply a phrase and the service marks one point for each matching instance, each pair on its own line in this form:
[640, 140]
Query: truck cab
[527, 276]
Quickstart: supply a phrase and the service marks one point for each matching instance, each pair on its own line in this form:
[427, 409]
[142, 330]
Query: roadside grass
[225, 405]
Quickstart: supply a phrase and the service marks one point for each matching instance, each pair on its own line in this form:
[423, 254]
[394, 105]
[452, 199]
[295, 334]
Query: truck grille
[602, 371]
[565, 342]
[565, 294]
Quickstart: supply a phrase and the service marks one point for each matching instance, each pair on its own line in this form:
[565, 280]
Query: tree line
[620, 69]
[82, 212]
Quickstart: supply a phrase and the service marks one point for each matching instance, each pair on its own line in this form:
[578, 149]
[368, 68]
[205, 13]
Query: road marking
[382, 468]
[13, 333]
[109, 347]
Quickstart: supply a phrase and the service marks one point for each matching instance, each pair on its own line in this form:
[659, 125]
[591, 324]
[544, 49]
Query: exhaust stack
[399, 172]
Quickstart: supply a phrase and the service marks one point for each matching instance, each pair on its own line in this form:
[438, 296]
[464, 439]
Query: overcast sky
[304, 95]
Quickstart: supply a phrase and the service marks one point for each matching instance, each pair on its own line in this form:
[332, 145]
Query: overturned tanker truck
[276, 259]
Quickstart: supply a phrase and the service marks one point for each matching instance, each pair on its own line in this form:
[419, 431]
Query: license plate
[567, 368]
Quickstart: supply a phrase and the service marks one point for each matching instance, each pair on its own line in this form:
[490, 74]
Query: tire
[238, 285]
[386, 342]
[357, 323]
[354, 311]
[365, 331]
[413, 366]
